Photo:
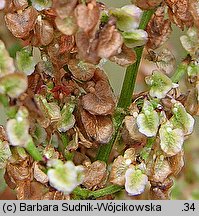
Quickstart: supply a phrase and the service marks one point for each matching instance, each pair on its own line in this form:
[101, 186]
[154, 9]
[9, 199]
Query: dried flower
[99, 128]
[101, 101]
[161, 169]
[176, 163]
[118, 170]
[39, 175]
[147, 4]
[95, 174]
[148, 120]
[65, 177]
[158, 29]
[86, 48]
[43, 33]
[15, 5]
[87, 16]
[81, 70]
[50, 110]
[135, 181]
[120, 166]
[110, 42]
[125, 58]
[165, 60]
[179, 13]
[193, 7]
[20, 24]
[64, 8]
[131, 134]
[67, 25]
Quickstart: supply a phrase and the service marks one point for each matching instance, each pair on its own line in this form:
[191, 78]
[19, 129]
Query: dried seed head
[176, 163]
[118, 170]
[5, 153]
[147, 4]
[64, 8]
[161, 169]
[100, 102]
[94, 174]
[131, 135]
[81, 70]
[20, 24]
[87, 16]
[98, 128]
[179, 13]
[156, 193]
[110, 42]
[125, 58]
[194, 10]
[15, 5]
[67, 25]
[158, 29]
[59, 49]
[87, 48]
[43, 33]
[39, 175]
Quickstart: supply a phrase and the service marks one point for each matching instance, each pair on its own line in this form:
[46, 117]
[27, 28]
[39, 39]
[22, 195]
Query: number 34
[189, 206]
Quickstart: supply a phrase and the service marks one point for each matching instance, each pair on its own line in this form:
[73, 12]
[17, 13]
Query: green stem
[87, 194]
[179, 73]
[33, 151]
[105, 150]
[129, 81]
[105, 191]
[181, 69]
[126, 93]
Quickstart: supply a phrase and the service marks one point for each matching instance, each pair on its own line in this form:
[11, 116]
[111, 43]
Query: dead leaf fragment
[146, 4]
[110, 42]
[87, 16]
[179, 13]
[158, 29]
[21, 23]
[98, 128]
[95, 174]
[101, 101]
